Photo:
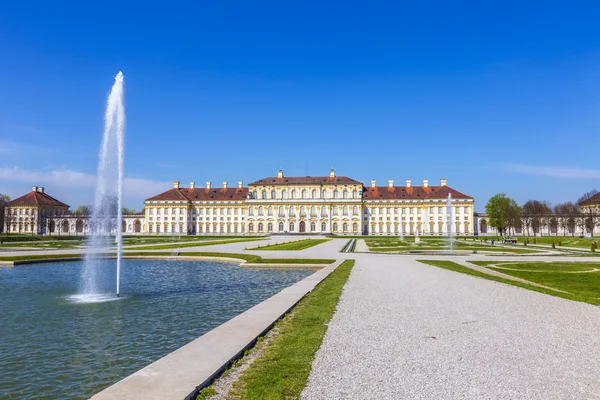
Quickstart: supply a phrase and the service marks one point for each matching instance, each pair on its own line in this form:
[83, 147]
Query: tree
[535, 213]
[4, 199]
[569, 213]
[499, 210]
[586, 196]
[128, 211]
[589, 218]
[82, 210]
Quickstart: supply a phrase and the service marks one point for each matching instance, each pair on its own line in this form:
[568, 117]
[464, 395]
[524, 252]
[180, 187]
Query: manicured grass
[247, 257]
[436, 243]
[283, 367]
[579, 292]
[565, 241]
[193, 244]
[296, 245]
[554, 266]
[63, 244]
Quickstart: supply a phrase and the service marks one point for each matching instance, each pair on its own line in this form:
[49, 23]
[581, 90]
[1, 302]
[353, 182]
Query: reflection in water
[54, 345]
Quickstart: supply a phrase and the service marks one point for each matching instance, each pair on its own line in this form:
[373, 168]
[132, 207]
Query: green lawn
[296, 245]
[193, 244]
[283, 367]
[583, 287]
[565, 241]
[383, 244]
[247, 257]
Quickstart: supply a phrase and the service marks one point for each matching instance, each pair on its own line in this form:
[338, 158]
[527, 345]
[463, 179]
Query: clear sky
[497, 97]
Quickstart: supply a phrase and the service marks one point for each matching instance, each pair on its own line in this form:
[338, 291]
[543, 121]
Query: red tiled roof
[411, 193]
[595, 199]
[36, 199]
[306, 180]
[202, 194]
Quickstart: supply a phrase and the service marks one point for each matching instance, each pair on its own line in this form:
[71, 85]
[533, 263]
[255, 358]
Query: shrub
[553, 245]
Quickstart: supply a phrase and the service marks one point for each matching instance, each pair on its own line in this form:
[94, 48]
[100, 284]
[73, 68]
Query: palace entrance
[302, 227]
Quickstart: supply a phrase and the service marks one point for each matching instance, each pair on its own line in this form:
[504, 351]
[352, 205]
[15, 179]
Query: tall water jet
[107, 212]
[449, 222]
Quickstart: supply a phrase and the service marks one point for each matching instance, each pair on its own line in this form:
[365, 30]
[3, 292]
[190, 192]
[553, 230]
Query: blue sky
[497, 97]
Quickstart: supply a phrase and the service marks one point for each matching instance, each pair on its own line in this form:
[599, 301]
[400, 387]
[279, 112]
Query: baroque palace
[309, 204]
[293, 205]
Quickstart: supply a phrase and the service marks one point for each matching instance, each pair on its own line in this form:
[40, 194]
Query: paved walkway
[404, 330]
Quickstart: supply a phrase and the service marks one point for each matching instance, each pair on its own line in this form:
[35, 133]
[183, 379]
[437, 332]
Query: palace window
[335, 226]
[273, 195]
[281, 227]
[335, 211]
[355, 210]
[313, 211]
[264, 194]
[304, 193]
[291, 227]
[323, 211]
[292, 212]
[335, 194]
[281, 212]
[260, 227]
[345, 227]
[302, 211]
[284, 194]
[345, 210]
[270, 227]
[354, 194]
[270, 211]
[345, 194]
[313, 194]
[250, 227]
[260, 211]
[323, 226]
[313, 227]
[355, 227]
[293, 193]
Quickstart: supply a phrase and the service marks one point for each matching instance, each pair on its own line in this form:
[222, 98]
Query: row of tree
[508, 217]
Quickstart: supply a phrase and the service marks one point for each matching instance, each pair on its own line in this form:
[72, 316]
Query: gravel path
[404, 330]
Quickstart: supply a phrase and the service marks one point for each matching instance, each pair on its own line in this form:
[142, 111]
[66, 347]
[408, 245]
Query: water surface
[52, 347]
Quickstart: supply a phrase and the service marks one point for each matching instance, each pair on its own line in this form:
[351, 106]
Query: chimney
[192, 185]
[40, 189]
[280, 173]
[332, 173]
[372, 182]
[425, 183]
[34, 188]
[408, 182]
[208, 185]
[391, 183]
[240, 184]
[443, 181]
[176, 184]
[225, 185]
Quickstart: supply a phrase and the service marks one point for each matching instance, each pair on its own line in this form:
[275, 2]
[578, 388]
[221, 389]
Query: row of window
[415, 210]
[305, 194]
[292, 211]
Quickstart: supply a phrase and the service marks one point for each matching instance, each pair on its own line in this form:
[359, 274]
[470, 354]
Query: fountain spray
[108, 199]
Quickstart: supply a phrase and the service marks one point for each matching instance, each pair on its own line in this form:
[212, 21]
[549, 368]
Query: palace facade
[311, 204]
[293, 205]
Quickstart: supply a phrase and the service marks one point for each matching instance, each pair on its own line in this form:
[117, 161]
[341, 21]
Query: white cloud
[554, 171]
[65, 178]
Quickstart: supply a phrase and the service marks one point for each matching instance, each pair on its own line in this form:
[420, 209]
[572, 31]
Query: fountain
[106, 218]
[401, 229]
[449, 222]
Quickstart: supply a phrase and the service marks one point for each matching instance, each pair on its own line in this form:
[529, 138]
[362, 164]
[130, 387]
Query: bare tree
[589, 217]
[535, 213]
[4, 199]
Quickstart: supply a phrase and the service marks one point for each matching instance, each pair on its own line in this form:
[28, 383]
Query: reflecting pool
[54, 345]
